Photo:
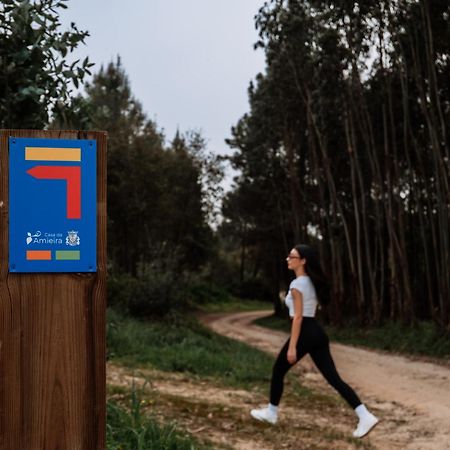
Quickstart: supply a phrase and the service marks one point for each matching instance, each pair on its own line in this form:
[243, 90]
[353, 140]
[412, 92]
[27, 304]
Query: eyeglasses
[292, 257]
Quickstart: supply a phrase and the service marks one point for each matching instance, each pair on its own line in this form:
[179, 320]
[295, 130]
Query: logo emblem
[72, 238]
[31, 236]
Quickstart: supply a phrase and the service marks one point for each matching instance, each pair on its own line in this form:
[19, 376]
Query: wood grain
[52, 337]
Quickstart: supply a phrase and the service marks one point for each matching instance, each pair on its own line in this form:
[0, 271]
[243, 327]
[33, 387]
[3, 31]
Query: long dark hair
[314, 270]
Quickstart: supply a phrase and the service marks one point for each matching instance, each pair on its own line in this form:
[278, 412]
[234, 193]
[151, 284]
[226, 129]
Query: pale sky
[189, 61]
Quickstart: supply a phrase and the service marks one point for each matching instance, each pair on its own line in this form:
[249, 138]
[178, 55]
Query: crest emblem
[72, 238]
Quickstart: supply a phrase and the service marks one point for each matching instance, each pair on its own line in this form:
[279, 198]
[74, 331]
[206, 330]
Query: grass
[422, 339]
[185, 346]
[213, 361]
[133, 429]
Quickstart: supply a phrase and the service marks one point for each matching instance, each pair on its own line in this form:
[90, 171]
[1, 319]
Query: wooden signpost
[52, 290]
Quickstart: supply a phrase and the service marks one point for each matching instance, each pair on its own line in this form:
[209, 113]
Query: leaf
[74, 64]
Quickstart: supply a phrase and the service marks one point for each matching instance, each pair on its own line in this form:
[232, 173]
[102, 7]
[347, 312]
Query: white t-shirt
[304, 285]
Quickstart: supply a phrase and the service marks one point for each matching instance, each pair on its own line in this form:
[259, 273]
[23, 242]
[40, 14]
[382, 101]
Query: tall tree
[157, 211]
[353, 109]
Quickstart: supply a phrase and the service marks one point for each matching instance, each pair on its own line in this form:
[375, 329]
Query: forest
[344, 147]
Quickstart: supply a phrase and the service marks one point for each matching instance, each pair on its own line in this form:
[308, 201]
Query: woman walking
[305, 292]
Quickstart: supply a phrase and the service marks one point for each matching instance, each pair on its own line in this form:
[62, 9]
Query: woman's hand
[292, 355]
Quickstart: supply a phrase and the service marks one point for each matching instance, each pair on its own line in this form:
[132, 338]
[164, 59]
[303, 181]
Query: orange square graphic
[42, 255]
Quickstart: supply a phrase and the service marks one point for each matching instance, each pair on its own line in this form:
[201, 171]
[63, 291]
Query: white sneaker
[365, 425]
[264, 415]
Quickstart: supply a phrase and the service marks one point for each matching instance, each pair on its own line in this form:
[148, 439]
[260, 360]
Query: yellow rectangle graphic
[52, 154]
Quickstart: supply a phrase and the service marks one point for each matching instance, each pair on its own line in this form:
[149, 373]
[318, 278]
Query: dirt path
[220, 415]
[412, 397]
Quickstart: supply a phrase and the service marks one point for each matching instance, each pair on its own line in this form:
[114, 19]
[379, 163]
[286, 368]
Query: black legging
[312, 340]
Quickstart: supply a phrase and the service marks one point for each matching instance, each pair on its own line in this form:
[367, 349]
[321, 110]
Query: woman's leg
[324, 362]
[320, 354]
[280, 369]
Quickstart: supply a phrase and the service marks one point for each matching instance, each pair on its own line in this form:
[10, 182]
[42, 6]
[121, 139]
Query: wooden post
[52, 336]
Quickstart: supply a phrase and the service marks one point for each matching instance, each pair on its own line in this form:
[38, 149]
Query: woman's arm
[296, 325]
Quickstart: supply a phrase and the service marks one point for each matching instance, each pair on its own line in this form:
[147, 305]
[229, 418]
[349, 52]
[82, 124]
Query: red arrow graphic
[72, 175]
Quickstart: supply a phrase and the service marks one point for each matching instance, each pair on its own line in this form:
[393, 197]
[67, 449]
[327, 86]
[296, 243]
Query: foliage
[35, 76]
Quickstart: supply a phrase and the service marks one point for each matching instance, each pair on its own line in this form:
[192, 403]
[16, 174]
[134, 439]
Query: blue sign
[52, 205]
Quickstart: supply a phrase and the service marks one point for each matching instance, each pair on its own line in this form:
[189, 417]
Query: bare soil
[412, 397]
[220, 416]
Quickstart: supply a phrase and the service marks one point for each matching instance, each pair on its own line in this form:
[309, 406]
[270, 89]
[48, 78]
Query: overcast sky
[189, 61]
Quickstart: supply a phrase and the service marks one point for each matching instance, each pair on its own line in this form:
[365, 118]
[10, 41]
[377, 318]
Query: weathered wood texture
[52, 337]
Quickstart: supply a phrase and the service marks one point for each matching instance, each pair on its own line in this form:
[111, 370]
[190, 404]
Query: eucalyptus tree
[353, 108]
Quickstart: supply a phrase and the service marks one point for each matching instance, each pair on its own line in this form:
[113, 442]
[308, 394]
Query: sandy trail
[412, 397]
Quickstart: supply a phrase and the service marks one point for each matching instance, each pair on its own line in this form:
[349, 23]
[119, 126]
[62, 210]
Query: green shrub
[152, 292]
[121, 289]
[202, 292]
